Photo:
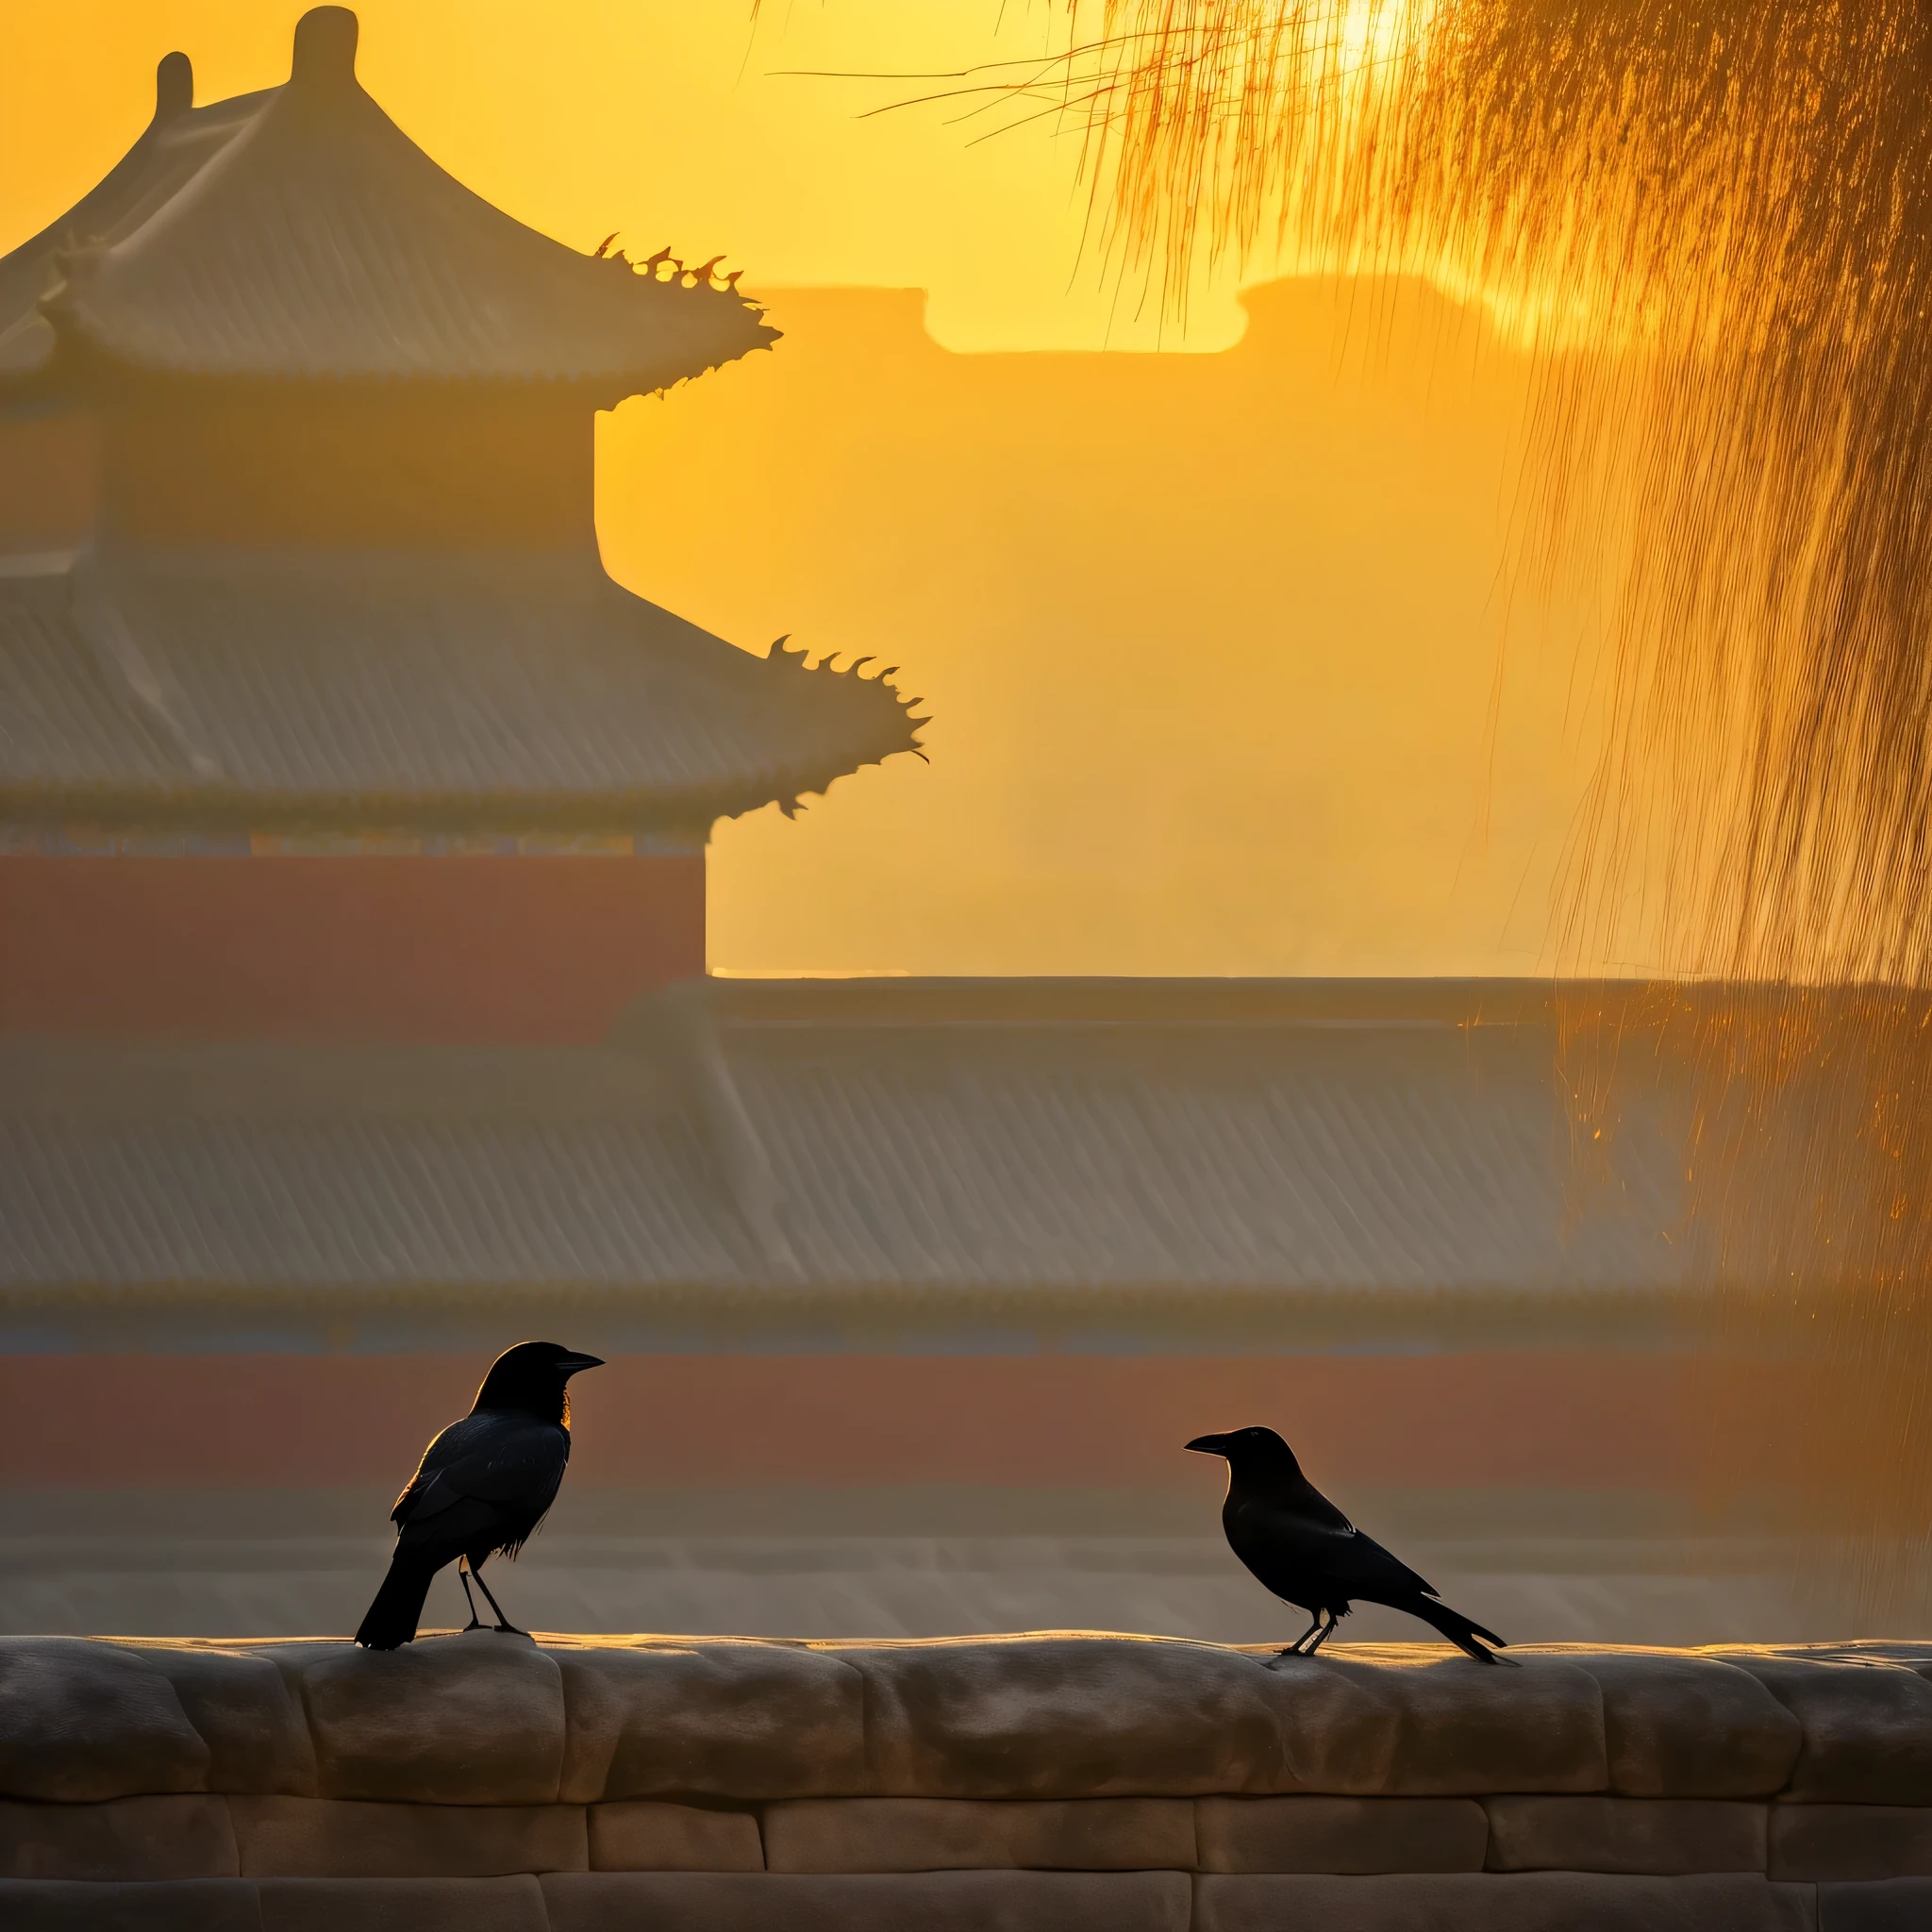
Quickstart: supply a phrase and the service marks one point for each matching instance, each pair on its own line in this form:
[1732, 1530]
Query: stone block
[401, 1904]
[971, 1834]
[121, 1838]
[244, 1710]
[472, 1720]
[724, 1720]
[929, 1901]
[1679, 1724]
[190, 1905]
[646, 1835]
[1661, 1836]
[1892, 1905]
[1867, 1728]
[1851, 1841]
[1494, 1902]
[1066, 1717]
[81, 1721]
[1442, 1726]
[1341, 1835]
[1339, 1734]
[346, 1838]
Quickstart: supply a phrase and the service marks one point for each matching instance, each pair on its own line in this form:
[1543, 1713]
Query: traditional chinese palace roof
[444, 691]
[297, 233]
[1087, 1156]
[292, 246]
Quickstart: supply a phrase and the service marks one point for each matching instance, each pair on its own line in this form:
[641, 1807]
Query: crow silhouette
[482, 1487]
[1297, 1544]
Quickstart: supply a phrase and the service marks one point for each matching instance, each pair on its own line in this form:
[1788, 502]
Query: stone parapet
[1048, 1781]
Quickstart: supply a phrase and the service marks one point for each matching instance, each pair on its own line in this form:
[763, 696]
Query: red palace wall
[1546, 1418]
[451, 950]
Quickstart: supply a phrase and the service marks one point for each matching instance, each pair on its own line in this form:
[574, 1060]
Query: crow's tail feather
[393, 1616]
[1458, 1628]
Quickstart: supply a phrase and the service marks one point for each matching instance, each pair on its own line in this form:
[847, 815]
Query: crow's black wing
[1305, 1500]
[444, 1448]
[1286, 1545]
[1363, 1564]
[506, 1461]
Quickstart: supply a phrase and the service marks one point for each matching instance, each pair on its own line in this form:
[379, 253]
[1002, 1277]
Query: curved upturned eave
[319, 242]
[216, 808]
[232, 694]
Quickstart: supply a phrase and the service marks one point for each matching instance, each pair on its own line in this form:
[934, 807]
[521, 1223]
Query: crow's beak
[1210, 1445]
[573, 1364]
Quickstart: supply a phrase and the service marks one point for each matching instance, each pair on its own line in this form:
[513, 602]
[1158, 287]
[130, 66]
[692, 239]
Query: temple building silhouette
[354, 1020]
[298, 558]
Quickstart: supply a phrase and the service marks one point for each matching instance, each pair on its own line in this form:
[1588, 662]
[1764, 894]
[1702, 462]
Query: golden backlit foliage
[1713, 220]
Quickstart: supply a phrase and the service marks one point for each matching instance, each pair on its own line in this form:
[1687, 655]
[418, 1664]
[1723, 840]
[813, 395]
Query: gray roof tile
[907, 1155]
[469, 689]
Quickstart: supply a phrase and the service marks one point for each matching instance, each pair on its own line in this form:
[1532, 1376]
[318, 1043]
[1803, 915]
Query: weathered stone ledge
[1045, 1781]
[131, 1841]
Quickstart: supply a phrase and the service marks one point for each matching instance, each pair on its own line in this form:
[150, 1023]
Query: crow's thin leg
[1294, 1649]
[475, 1622]
[1326, 1635]
[503, 1622]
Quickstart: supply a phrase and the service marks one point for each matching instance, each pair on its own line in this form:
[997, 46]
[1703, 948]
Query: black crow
[482, 1486]
[1304, 1549]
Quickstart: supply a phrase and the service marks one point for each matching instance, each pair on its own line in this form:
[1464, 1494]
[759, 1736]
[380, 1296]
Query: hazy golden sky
[1210, 640]
[670, 119]
[1210, 643]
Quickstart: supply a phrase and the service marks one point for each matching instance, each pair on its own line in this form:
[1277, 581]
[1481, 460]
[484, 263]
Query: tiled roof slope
[298, 233]
[992, 1139]
[174, 147]
[465, 689]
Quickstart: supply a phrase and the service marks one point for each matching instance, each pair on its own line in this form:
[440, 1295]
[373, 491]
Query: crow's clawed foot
[1314, 1630]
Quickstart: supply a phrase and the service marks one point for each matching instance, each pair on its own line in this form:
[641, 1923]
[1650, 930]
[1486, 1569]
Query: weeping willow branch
[1712, 221]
